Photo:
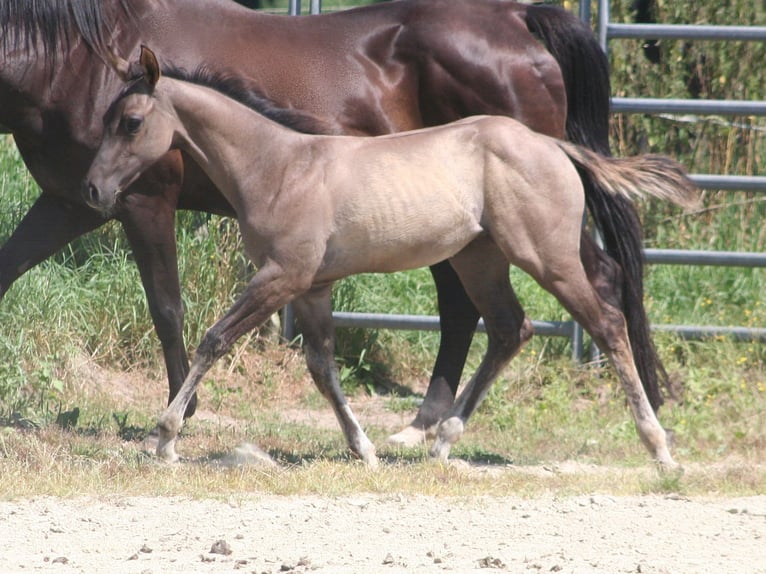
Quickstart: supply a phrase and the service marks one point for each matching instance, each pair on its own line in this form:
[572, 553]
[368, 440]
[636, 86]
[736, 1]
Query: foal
[483, 192]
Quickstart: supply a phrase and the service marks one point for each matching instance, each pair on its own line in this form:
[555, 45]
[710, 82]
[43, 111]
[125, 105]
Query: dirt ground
[385, 534]
[371, 534]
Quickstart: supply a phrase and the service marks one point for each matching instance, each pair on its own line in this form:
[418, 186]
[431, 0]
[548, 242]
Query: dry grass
[264, 396]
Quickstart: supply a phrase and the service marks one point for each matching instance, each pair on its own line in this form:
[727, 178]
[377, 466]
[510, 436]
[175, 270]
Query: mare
[378, 69]
[482, 193]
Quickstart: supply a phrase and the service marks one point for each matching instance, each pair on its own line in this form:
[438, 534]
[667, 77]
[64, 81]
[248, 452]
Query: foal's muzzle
[96, 199]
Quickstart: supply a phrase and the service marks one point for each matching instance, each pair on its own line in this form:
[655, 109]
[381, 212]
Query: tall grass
[88, 301]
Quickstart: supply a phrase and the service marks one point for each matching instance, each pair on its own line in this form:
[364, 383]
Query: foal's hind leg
[458, 318]
[562, 274]
[483, 270]
[314, 313]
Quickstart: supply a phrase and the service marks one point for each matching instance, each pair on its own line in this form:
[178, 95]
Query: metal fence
[606, 31]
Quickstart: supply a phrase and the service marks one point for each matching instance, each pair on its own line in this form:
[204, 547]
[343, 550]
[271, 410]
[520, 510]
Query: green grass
[86, 306]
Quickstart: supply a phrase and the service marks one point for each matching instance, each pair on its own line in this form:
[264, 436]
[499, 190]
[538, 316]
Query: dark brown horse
[373, 70]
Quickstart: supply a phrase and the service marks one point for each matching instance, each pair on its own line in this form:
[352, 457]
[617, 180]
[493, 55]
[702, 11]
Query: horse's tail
[609, 184]
[641, 176]
[585, 71]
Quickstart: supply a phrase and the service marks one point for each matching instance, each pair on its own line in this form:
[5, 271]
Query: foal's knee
[213, 345]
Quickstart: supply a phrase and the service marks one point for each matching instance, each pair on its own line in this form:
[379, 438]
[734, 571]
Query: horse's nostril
[93, 193]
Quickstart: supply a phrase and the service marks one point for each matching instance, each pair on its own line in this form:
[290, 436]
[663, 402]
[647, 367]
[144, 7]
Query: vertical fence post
[288, 315]
[585, 11]
[603, 22]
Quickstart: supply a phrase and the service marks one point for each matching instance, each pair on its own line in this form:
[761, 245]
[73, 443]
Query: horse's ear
[150, 65]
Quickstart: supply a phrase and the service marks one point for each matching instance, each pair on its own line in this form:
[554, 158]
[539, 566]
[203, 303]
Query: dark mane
[55, 24]
[238, 90]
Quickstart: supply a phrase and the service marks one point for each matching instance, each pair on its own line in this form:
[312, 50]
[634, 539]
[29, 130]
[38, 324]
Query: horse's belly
[413, 242]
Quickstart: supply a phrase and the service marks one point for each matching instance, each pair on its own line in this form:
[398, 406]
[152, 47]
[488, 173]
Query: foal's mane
[237, 89]
[55, 24]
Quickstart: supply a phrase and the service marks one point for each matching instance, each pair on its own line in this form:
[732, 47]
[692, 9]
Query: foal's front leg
[314, 312]
[267, 292]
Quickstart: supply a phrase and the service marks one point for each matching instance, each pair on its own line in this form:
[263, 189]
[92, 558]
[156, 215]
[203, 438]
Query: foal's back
[413, 199]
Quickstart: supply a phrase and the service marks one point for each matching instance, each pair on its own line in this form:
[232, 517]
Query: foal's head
[139, 126]
[138, 131]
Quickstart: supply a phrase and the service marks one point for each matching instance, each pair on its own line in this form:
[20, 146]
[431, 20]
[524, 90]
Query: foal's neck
[236, 146]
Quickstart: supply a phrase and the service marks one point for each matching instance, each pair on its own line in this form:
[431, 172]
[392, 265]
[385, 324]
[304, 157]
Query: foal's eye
[132, 124]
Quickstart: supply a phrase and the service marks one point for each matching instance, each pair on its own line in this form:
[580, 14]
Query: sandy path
[391, 534]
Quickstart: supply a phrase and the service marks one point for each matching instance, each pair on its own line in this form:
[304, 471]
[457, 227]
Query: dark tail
[586, 76]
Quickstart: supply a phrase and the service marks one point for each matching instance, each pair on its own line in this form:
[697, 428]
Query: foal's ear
[150, 65]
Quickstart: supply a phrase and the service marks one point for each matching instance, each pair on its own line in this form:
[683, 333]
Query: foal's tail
[640, 176]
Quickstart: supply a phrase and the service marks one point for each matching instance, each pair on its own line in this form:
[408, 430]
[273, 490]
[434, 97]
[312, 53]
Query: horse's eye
[132, 124]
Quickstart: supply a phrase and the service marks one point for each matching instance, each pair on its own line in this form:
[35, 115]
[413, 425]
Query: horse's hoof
[167, 454]
[448, 433]
[151, 441]
[371, 461]
[367, 455]
[166, 447]
[440, 450]
[248, 454]
[409, 437]
[670, 469]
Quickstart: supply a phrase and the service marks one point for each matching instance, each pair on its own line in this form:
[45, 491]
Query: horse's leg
[149, 223]
[560, 271]
[483, 270]
[269, 290]
[314, 313]
[48, 226]
[458, 318]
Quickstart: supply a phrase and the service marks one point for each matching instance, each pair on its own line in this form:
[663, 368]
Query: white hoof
[371, 460]
[150, 443]
[248, 454]
[447, 434]
[168, 426]
[409, 436]
[669, 468]
[166, 450]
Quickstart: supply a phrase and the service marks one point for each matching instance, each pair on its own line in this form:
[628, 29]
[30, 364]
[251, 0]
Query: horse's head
[136, 134]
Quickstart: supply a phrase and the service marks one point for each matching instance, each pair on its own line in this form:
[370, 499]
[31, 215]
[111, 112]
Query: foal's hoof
[371, 461]
[409, 437]
[151, 441]
[447, 434]
[670, 469]
[167, 452]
